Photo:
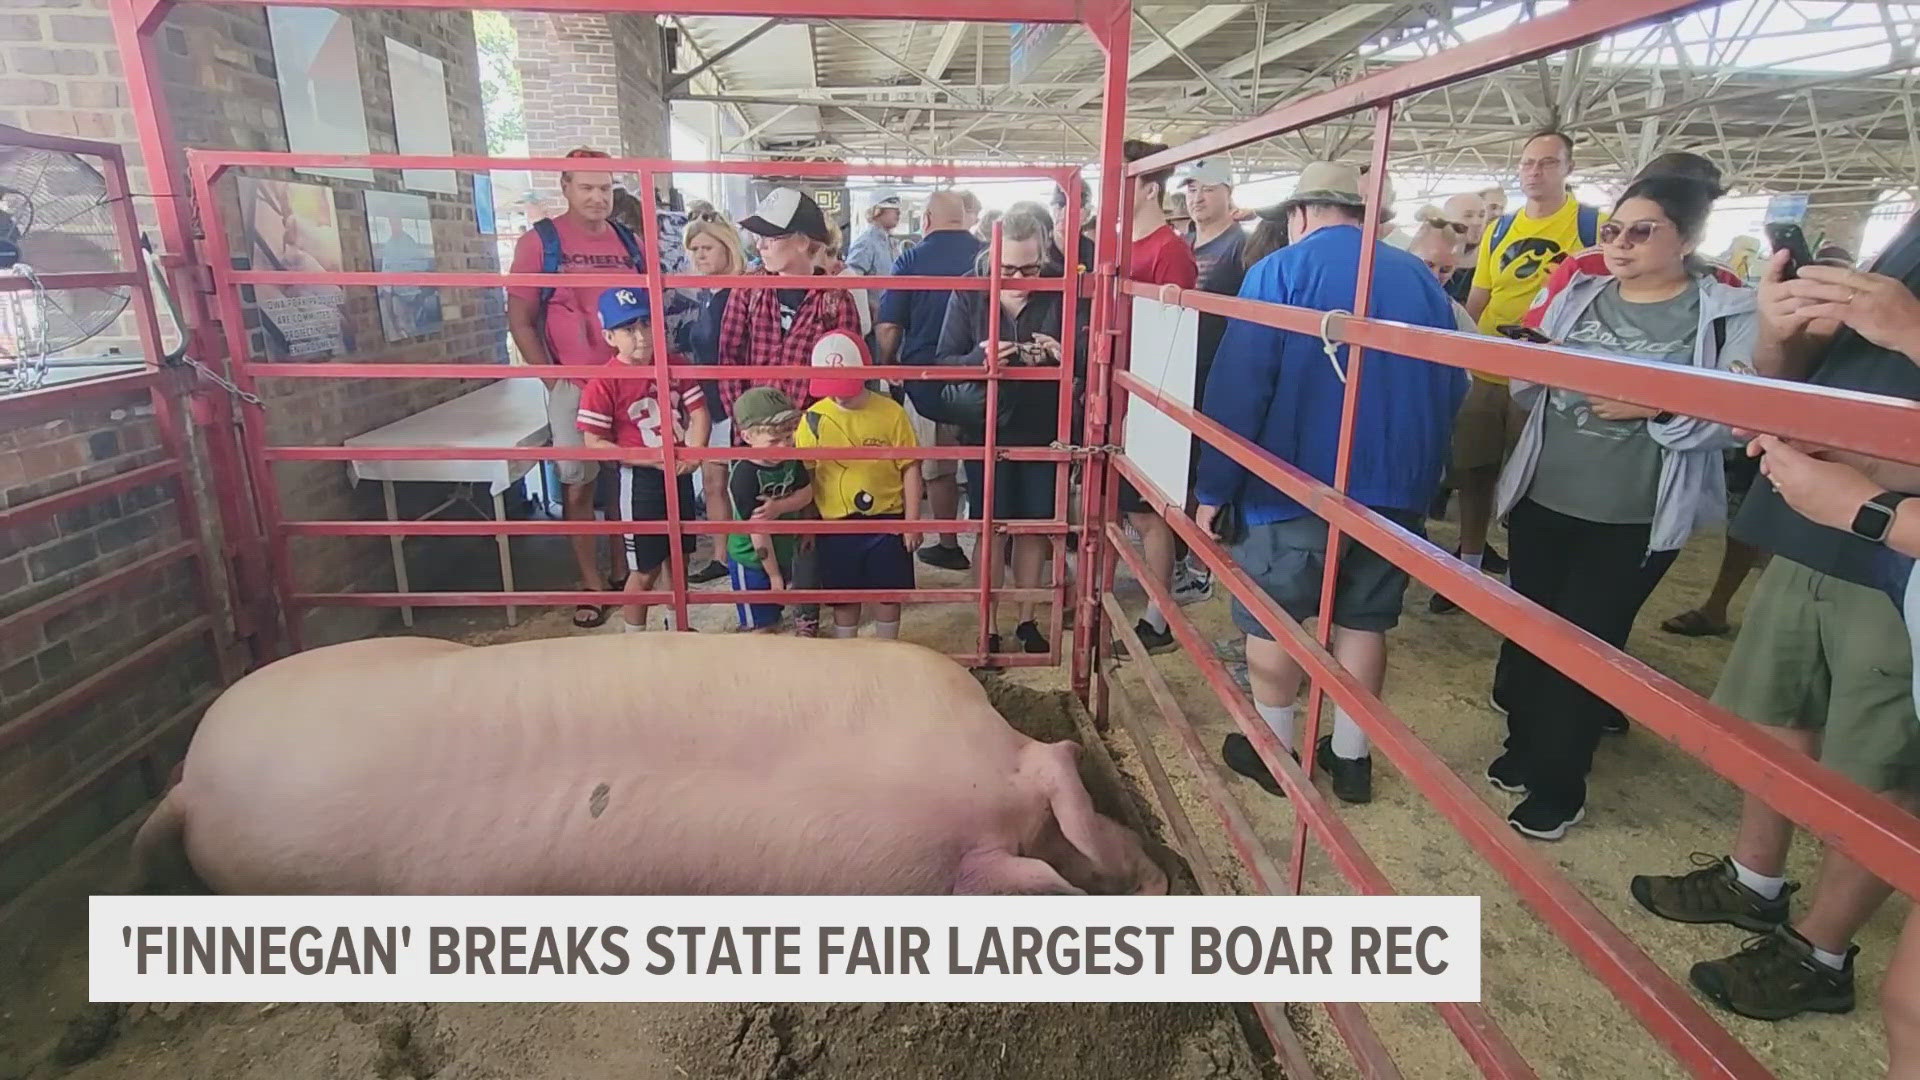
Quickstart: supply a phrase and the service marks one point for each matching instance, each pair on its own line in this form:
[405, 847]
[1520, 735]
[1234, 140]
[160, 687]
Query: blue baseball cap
[624, 305]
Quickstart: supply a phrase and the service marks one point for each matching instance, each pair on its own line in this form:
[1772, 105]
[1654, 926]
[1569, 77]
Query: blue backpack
[550, 260]
[1588, 218]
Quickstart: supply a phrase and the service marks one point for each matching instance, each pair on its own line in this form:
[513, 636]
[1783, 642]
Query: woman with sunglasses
[1031, 331]
[1599, 495]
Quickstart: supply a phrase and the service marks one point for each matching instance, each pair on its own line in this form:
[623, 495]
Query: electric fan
[54, 220]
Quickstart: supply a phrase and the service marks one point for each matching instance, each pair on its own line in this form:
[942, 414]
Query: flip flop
[1693, 624]
[596, 615]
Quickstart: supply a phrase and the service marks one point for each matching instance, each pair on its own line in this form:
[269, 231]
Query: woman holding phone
[1600, 495]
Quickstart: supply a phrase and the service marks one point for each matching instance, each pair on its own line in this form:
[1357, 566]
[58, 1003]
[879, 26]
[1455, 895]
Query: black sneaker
[1614, 724]
[1031, 639]
[1711, 894]
[1440, 605]
[945, 557]
[1542, 822]
[713, 571]
[1238, 752]
[1352, 778]
[1156, 641]
[1505, 774]
[1492, 561]
[1776, 977]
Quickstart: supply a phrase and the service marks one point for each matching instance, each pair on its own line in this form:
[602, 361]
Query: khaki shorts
[1820, 654]
[928, 433]
[1485, 429]
[563, 414]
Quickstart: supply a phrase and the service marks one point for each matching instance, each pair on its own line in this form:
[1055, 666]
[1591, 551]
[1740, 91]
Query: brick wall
[43, 453]
[591, 80]
[58, 74]
[218, 66]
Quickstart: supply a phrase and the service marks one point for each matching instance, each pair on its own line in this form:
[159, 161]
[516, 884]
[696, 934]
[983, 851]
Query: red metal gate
[1861, 824]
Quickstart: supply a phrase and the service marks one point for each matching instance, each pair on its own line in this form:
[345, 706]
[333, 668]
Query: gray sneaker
[1711, 894]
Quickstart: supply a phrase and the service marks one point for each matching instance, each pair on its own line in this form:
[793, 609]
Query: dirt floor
[1650, 807]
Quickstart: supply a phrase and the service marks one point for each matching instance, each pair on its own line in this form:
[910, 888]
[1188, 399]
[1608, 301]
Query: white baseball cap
[1204, 171]
[838, 349]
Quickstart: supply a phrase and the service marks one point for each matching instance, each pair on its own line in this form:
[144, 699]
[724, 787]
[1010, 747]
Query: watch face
[1872, 521]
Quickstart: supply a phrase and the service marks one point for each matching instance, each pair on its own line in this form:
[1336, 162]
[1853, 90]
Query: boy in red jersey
[628, 413]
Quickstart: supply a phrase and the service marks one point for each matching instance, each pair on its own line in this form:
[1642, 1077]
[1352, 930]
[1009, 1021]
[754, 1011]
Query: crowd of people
[1597, 496]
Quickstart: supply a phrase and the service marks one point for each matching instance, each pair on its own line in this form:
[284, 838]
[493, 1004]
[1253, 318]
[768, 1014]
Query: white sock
[1280, 718]
[631, 628]
[889, 630]
[1349, 741]
[1834, 960]
[1155, 619]
[1473, 559]
[847, 631]
[1768, 887]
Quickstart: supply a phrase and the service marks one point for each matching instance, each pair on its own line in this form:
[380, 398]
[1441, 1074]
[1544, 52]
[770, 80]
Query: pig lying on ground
[608, 765]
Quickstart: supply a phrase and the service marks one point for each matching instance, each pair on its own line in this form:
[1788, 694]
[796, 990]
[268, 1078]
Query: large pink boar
[629, 764]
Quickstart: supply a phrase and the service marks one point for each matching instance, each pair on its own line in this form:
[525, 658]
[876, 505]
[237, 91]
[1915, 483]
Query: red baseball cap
[839, 349]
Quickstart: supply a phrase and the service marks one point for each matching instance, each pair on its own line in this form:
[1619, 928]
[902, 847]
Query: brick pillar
[592, 80]
[1839, 217]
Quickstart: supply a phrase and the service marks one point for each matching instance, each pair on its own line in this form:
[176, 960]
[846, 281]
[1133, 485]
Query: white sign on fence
[1165, 348]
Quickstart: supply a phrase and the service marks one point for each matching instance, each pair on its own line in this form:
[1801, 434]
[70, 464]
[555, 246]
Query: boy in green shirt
[761, 491]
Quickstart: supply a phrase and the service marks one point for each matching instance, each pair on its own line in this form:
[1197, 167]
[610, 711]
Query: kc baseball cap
[839, 349]
[761, 406]
[624, 305]
[786, 211]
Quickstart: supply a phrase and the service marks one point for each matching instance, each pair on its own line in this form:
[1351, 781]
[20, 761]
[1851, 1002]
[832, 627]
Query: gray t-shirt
[1609, 470]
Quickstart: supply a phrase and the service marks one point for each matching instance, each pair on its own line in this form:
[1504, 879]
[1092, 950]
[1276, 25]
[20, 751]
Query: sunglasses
[1637, 233]
[1028, 270]
[704, 215]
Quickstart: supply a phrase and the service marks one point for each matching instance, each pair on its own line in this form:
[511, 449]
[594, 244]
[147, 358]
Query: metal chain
[222, 381]
[1085, 451]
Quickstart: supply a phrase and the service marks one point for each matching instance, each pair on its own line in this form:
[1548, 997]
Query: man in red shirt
[560, 326]
[1159, 256]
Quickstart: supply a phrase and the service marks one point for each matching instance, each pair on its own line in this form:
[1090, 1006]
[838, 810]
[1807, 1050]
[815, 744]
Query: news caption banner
[806, 948]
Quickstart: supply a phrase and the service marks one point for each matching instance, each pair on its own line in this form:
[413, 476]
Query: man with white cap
[873, 251]
[1218, 242]
[1279, 390]
[778, 327]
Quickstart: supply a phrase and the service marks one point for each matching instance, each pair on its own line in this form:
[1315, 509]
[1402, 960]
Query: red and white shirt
[627, 411]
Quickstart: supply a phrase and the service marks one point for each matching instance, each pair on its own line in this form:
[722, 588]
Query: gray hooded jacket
[1693, 487]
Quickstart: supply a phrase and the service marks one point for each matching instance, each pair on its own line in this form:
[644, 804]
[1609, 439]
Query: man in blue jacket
[1279, 390]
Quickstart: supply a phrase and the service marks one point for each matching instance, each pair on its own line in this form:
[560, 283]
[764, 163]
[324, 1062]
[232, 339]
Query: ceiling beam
[725, 51]
[943, 52]
[1151, 55]
[1299, 37]
[1234, 101]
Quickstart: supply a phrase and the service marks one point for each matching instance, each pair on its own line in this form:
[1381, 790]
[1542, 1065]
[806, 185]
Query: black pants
[1596, 577]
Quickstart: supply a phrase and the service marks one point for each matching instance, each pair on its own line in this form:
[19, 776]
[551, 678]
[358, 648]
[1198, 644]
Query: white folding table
[509, 412]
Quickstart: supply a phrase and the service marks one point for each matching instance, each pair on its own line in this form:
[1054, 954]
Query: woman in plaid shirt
[768, 327]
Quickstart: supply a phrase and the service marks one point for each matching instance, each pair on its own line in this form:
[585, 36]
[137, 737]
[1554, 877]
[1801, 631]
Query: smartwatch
[1874, 519]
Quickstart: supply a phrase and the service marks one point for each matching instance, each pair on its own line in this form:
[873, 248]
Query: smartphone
[1524, 333]
[1787, 234]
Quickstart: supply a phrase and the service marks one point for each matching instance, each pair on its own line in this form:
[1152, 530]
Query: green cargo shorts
[1817, 653]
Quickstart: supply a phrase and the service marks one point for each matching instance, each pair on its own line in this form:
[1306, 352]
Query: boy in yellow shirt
[887, 489]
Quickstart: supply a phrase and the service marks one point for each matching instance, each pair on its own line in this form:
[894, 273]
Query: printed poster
[420, 121]
[318, 67]
[485, 220]
[293, 227]
[400, 229]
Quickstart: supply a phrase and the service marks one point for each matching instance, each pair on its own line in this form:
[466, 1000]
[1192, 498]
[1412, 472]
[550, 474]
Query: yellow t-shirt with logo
[1515, 273]
[858, 488]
